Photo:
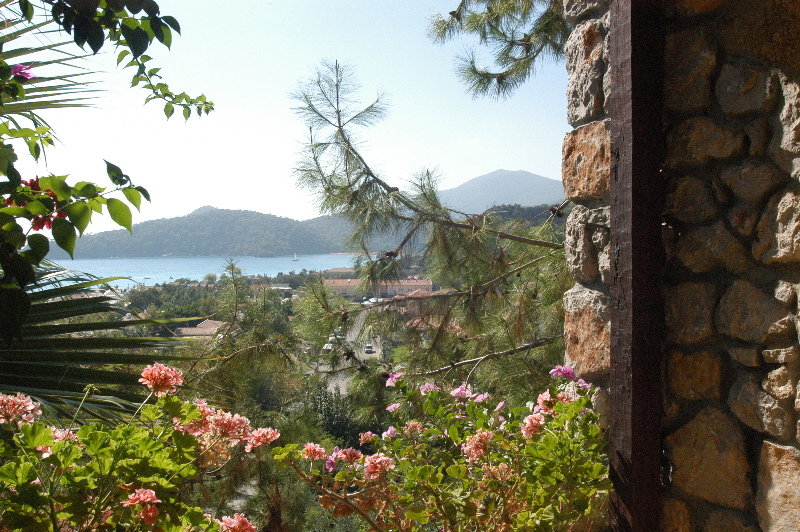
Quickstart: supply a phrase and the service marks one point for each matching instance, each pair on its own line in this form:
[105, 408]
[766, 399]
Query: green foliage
[456, 461]
[131, 476]
[518, 32]
[72, 335]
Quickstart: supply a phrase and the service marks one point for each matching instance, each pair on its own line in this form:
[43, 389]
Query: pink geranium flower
[22, 71]
[161, 379]
[314, 451]
[477, 445]
[392, 407]
[376, 465]
[532, 425]
[237, 523]
[259, 437]
[480, 398]
[428, 387]
[141, 496]
[391, 432]
[366, 437]
[564, 372]
[18, 408]
[462, 392]
[393, 378]
[149, 514]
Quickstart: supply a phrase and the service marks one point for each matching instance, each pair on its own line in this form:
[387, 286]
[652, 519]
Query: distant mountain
[213, 232]
[502, 187]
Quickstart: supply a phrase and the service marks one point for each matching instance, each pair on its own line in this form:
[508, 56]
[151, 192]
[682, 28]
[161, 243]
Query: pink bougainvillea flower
[22, 71]
[313, 451]
[149, 514]
[462, 392]
[532, 425]
[161, 379]
[480, 398]
[376, 465]
[392, 407]
[563, 372]
[18, 408]
[141, 496]
[428, 387]
[393, 378]
[499, 406]
[330, 463]
[582, 384]
[391, 432]
[259, 437]
[237, 523]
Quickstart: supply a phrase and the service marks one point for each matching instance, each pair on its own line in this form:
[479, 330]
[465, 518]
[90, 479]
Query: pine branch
[490, 356]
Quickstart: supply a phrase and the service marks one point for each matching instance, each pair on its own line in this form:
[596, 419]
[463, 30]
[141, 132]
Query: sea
[149, 271]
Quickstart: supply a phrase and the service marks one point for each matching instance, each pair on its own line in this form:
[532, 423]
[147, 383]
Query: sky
[248, 57]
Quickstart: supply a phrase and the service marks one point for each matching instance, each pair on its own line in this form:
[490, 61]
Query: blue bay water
[157, 270]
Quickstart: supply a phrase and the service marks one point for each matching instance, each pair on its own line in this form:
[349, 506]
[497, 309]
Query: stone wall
[732, 240]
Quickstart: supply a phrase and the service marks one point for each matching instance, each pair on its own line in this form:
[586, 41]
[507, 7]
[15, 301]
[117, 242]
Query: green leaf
[134, 196]
[64, 235]
[122, 55]
[172, 23]
[115, 174]
[120, 213]
[169, 109]
[187, 112]
[452, 431]
[36, 207]
[144, 192]
[26, 9]
[136, 38]
[79, 214]
[457, 471]
[56, 183]
[35, 435]
[39, 245]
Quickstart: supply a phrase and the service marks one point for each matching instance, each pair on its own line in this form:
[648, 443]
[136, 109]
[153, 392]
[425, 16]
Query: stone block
[695, 376]
[759, 410]
[753, 181]
[708, 455]
[708, 248]
[689, 309]
[784, 355]
[786, 293]
[785, 146]
[747, 313]
[675, 516]
[586, 162]
[584, 240]
[742, 89]
[587, 336]
[780, 383]
[758, 135]
[778, 231]
[586, 66]
[747, 356]
[575, 10]
[743, 219]
[724, 521]
[689, 62]
[778, 496]
[691, 201]
[700, 140]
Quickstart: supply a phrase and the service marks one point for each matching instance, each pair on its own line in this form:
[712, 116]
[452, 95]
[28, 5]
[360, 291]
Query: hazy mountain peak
[503, 187]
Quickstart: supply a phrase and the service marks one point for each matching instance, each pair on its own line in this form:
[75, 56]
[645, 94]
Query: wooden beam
[637, 315]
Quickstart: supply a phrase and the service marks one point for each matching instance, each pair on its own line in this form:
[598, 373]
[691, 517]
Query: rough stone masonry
[731, 233]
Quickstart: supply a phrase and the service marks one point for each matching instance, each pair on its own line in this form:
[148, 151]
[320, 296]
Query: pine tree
[501, 280]
[519, 32]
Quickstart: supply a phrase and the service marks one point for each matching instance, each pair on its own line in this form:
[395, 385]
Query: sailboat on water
[295, 259]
